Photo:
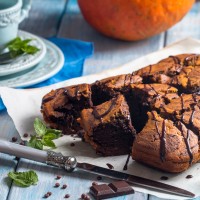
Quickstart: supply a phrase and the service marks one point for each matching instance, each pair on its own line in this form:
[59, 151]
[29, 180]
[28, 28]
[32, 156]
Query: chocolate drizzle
[100, 116]
[194, 96]
[127, 161]
[163, 142]
[153, 89]
[187, 143]
[191, 118]
[162, 138]
[175, 59]
[182, 107]
[150, 68]
[45, 100]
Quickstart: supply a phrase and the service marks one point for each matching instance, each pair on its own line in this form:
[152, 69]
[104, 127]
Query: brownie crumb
[58, 177]
[164, 178]
[110, 166]
[83, 196]
[25, 135]
[99, 178]
[72, 144]
[64, 186]
[67, 196]
[14, 139]
[57, 185]
[46, 195]
[189, 176]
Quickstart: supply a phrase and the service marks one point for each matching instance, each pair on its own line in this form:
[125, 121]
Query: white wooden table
[62, 18]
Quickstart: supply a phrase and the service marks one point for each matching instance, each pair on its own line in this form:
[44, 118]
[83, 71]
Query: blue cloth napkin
[75, 53]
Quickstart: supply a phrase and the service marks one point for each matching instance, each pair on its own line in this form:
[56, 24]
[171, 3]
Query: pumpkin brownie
[178, 106]
[104, 90]
[186, 109]
[108, 127]
[61, 107]
[165, 146]
[181, 71]
[145, 97]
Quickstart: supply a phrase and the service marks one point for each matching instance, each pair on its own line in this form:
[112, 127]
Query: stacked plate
[31, 69]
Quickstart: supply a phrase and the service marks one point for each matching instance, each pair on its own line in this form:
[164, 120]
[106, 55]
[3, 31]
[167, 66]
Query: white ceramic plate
[51, 63]
[26, 61]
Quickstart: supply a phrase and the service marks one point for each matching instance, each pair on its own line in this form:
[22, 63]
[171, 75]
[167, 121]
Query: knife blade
[70, 163]
[134, 180]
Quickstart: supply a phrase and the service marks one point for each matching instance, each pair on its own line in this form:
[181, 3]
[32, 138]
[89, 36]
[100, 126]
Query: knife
[69, 163]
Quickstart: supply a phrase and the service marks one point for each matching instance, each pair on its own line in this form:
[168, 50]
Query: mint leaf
[54, 131]
[29, 49]
[44, 136]
[50, 136]
[35, 143]
[18, 47]
[14, 41]
[48, 143]
[40, 127]
[24, 179]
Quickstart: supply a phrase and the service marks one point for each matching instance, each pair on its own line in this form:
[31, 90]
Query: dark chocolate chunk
[99, 190]
[117, 188]
[120, 186]
[189, 176]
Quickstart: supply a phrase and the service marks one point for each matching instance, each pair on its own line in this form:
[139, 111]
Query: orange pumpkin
[133, 19]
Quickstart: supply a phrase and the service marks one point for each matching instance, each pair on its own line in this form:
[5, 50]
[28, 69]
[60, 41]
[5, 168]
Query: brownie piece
[181, 71]
[154, 95]
[186, 109]
[162, 71]
[108, 127]
[188, 79]
[145, 97]
[178, 106]
[108, 88]
[61, 107]
[191, 119]
[165, 146]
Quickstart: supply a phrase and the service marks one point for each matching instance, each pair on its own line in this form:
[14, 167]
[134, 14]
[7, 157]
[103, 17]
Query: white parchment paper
[24, 105]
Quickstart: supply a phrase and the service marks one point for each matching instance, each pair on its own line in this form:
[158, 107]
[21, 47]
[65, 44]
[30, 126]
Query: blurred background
[62, 18]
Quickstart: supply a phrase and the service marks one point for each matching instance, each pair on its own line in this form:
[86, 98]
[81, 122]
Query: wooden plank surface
[44, 17]
[7, 163]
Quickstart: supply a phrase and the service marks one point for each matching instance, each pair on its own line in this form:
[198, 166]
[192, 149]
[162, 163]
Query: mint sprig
[24, 179]
[44, 136]
[18, 47]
